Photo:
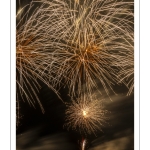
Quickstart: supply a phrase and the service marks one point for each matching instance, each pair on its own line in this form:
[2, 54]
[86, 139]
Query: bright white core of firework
[84, 113]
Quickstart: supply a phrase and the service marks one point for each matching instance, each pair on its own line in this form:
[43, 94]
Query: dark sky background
[118, 134]
[39, 131]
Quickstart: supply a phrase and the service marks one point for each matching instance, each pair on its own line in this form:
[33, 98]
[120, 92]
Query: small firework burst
[86, 114]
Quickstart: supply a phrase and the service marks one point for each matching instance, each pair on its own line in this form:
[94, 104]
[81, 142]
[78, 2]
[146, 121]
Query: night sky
[35, 126]
[38, 131]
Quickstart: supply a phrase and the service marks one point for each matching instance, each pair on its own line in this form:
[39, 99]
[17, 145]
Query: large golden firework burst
[92, 39]
[34, 22]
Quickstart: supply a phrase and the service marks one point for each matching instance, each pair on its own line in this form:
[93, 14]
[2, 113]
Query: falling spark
[86, 114]
[126, 73]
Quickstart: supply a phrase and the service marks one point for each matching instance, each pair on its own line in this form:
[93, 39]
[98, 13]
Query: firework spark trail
[86, 114]
[94, 34]
[18, 115]
[127, 68]
[83, 144]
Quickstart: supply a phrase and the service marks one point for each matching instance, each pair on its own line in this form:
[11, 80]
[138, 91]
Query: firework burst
[94, 34]
[85, 114]
[32, 42]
